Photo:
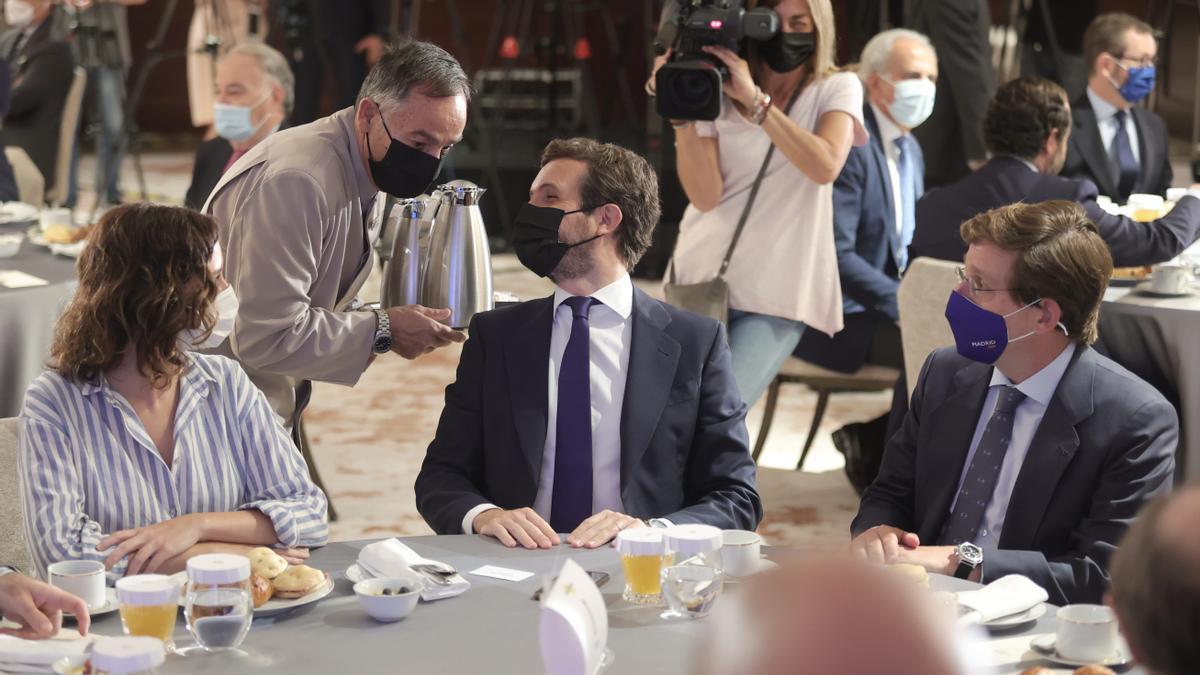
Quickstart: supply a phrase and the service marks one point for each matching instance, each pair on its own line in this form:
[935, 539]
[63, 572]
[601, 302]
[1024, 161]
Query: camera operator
[783, 275]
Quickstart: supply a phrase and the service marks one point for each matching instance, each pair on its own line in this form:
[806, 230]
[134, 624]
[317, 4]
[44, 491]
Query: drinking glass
[219, 618]
[690, 590]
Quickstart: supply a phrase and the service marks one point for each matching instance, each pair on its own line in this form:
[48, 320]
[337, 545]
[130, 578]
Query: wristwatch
[383, 333]
[970, 556]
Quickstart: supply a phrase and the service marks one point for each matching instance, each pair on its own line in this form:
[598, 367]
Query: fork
[434, 574]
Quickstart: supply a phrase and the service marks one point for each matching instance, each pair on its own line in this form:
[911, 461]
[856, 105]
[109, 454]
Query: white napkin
[391, 557]
[19, 279]
[1005, 596]
[33, 656]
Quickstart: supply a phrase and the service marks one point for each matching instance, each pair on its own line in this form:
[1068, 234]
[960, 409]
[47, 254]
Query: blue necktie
[908, 198]
[571, 501]
[980, 481]
[1127, 166]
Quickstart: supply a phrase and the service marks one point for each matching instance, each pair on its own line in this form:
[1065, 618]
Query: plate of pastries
[1131, 275]
[278, 586]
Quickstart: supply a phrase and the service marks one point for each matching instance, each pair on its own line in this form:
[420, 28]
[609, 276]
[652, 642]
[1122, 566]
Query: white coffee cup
[51, 217]
[1086, 633]
[740, 552]
[1171, 279]
[84, 578]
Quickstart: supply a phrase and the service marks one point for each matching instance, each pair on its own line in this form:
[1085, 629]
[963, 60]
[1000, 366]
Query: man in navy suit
[598, 408]
[1116, 144]
[1037, 464]
[875, 200]
[1027, 128]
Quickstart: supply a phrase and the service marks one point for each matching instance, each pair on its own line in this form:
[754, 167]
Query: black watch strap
[964, 569]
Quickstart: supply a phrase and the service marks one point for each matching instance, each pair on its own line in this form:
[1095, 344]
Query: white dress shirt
[1106, 120]
[888, 133]
[608, 351]
[1039, 390]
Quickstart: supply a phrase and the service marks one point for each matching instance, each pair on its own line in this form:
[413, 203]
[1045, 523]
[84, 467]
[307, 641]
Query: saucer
[1146, 288]
[1044, 645]
[110, 605]
[1031, 614]
[763, 566]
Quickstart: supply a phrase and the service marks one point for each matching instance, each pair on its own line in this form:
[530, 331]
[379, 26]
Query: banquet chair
[13, 550]
[824, 382]
[922, 298]
[31, 186]
[57, 194]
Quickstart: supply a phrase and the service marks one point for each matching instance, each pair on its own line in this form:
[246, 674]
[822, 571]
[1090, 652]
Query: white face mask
[227, 309]
[236, 122]
[913, 101]
[18, 13]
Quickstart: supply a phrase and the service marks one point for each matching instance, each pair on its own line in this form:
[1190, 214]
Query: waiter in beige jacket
[293, 216]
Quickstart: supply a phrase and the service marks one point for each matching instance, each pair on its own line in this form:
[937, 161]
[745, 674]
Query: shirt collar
[888, 131]
[362, 177]
[1103, 109]
[1041, 385]
[617, 296]
[1028, 164]
[195, 377]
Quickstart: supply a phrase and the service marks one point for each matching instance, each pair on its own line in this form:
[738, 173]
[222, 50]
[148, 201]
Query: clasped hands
[525, 527]
[149, 548]
[889, 545]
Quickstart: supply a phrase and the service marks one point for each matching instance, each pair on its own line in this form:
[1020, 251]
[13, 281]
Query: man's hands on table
[526, 528]
[889, 545]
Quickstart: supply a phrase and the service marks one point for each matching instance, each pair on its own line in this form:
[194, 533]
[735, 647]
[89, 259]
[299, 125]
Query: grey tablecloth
[1159, 339]
[491, 629]
[27, 317]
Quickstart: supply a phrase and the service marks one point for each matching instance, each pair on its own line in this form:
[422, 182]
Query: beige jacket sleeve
[275, 263]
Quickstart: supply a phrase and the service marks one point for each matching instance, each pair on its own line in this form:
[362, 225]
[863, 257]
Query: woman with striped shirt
[136, 450]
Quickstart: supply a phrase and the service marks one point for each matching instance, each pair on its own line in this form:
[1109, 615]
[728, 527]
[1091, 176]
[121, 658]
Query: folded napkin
[1003, 597]
[34, 656]
[390, 557]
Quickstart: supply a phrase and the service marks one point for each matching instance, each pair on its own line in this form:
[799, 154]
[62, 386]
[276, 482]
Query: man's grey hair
[273, 65]
[413, 64]
[878, 52]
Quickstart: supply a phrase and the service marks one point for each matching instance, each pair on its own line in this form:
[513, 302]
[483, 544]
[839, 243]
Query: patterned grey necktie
[980, 481]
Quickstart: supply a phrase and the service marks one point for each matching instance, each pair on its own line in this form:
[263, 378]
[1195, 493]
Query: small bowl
[389, 608]
[10, 244]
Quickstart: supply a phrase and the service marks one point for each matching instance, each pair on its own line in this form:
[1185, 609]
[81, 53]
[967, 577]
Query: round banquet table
[492, 628]
[27, 318]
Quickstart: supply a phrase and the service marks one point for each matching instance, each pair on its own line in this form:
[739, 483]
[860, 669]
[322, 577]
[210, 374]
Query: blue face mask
[979, 334]
[235, 122]
[1138, 85]
[913, 101]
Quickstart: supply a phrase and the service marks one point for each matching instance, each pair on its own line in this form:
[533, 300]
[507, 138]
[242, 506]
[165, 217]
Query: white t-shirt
[785, 263]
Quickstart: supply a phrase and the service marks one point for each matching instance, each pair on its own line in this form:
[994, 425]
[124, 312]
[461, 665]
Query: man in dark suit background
[874, 203]
[1027, 128]
[1116, 144]
[1035, 466]
[43, 69]
[953, 137]
[255, 93]
[598, 408]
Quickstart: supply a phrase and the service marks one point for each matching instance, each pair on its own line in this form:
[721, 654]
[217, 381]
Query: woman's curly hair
[143, 280]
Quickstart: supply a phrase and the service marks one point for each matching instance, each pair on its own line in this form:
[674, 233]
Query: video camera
[688, 87]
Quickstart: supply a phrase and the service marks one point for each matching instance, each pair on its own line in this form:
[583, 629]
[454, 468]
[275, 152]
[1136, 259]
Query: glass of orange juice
[149, 604]
[643, 556]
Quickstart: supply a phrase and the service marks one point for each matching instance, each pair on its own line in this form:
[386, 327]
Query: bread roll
[915, 572]
[1094, 670]
[1037, 670]
[262, 589]
[266, 563]
[297, 581]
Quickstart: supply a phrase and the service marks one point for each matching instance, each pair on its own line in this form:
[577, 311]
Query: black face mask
[404, 171]
[535, 237]
[788, 51]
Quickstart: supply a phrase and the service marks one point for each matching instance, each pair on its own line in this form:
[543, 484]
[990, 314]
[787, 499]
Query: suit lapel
[879, 155]
[1053, 447]
[527, 361]
[1095, 155]
[653, 357]
[1148, 152]
[954, 423]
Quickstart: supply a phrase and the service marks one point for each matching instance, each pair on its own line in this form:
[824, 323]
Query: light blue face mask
[235, 122]
[913, 101]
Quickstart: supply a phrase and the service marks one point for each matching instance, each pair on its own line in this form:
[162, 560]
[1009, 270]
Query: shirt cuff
[469, 519]
[660, 522]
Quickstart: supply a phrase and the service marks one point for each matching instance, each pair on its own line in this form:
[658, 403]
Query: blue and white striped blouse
[88, 467]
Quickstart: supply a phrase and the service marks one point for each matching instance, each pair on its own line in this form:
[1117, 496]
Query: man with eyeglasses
[1118, 145]
[1024, 450]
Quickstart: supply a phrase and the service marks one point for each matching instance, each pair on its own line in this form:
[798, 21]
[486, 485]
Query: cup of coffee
[1171, 279]
[1086, 633]
[740, 551]
[83, 578]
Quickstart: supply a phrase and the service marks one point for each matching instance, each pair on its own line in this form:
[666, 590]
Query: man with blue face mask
[1117, 144]
[875, 200]
[1024, 451]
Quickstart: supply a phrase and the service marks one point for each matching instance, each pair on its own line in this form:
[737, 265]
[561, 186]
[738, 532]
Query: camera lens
[692, 89]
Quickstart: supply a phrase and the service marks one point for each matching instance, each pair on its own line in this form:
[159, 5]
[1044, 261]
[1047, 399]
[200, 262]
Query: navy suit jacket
[1005, 180]
[864, 229]
[42, 75]
[1088, 159]
[684, 446]
[1105, 446]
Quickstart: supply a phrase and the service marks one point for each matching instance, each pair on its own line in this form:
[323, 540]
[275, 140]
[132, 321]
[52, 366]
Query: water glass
[690, 590]
[219, 618]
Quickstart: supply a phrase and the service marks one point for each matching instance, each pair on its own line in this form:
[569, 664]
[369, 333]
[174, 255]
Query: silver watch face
[970, 553]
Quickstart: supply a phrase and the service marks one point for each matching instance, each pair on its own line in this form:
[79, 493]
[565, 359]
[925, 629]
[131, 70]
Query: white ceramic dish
[1044, 646]
[388, 608]
[110, 605]
[10, 244]
[763, 566]
[1031, 614]
[1147, 288]
[70, 665]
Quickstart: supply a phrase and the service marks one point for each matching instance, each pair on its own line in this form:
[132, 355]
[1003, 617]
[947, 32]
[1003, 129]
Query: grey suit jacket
[1105, 446]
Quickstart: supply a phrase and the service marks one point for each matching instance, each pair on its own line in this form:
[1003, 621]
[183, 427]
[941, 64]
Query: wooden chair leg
[768, 417]
[822, 402]
[301, 439]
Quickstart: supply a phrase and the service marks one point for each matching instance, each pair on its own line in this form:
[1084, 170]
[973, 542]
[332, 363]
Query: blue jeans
[760, 344]
[108, 87]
